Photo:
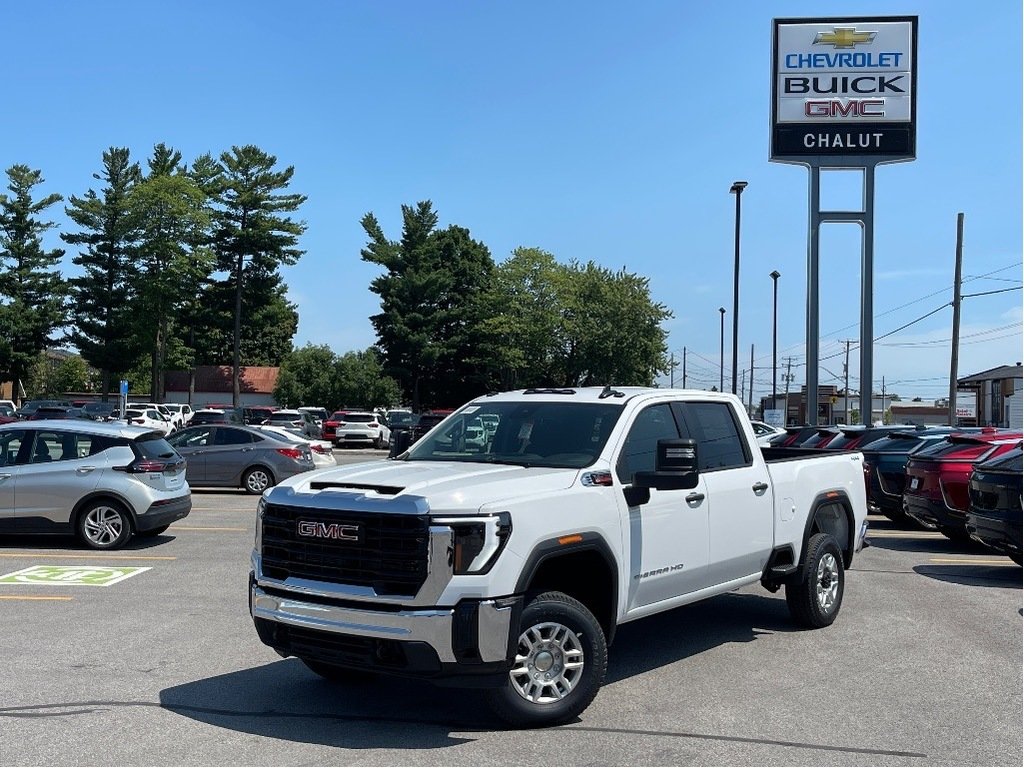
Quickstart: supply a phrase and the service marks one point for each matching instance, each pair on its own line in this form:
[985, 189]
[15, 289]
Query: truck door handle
[694, 498]
[85, 470]
[5, 475]
[759, 487]
[245, 450]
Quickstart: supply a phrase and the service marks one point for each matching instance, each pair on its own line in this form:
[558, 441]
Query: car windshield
[531, 434]
[98, 407]
[357, 418]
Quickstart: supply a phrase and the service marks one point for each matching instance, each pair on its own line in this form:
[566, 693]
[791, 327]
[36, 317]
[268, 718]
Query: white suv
[102, 481]
[362, 427]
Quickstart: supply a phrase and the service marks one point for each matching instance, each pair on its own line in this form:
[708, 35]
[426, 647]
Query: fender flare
[551, 549]
[823, 499]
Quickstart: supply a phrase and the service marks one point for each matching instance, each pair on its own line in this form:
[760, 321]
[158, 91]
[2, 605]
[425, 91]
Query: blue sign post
[124, 397]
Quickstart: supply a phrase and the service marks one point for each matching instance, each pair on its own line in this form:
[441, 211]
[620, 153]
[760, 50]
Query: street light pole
[721, 354]
[775, 275]
[737, 189]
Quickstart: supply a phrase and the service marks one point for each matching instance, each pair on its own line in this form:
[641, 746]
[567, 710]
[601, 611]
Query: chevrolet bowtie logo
[843, 37]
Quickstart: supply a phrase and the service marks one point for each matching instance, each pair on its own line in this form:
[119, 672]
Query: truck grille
[390, 555]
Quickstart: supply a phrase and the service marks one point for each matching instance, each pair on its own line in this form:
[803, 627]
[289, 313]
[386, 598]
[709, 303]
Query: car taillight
[374, 424]
[291, 453]
[143, 466]
[321, 449]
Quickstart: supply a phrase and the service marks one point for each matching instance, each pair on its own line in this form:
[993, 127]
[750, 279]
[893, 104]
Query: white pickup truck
[509, 565]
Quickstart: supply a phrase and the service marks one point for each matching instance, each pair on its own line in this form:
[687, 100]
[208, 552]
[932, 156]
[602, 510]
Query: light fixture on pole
[721, 353]
[775, 275]
[737, 189]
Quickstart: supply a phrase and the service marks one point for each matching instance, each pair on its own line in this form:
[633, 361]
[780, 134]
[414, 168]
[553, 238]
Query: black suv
[994, 517]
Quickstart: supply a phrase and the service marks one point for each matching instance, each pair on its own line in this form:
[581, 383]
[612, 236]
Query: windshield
[532, 434]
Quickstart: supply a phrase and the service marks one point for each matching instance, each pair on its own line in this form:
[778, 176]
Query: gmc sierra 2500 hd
[509, 564]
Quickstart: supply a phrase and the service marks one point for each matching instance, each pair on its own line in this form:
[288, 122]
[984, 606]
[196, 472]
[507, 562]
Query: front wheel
[560, 663]
[815, 601]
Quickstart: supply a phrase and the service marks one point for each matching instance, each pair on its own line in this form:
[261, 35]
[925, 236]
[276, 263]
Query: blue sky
[594, 130]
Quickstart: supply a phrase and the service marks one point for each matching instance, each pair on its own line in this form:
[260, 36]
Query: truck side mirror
[400, 442]
[676, 467]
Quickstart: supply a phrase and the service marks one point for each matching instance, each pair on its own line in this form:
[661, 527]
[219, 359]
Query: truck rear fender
[584, 569]
[831, 513]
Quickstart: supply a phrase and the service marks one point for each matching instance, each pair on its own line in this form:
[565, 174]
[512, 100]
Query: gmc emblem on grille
[317, 530]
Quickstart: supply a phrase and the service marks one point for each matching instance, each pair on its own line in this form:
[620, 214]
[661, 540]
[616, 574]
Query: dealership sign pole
[844, 96]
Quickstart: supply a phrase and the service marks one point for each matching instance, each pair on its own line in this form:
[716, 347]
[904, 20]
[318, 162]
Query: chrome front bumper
[431, 626]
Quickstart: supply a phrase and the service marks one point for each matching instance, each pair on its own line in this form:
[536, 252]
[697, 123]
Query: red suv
[936, 493]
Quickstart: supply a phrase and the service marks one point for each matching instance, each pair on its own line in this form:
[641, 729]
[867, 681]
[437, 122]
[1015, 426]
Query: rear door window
[229, 436]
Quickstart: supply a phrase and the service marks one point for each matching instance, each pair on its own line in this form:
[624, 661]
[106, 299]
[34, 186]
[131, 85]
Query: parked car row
[964, 482]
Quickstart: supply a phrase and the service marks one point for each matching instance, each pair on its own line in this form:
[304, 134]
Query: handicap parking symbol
[65, 575]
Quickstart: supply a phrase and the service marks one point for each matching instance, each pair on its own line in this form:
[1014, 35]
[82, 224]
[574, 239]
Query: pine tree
[32, 293]
[249, 227]
[104, 298]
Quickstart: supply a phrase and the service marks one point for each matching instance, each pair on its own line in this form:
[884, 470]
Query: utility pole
[956, 318]
[743, 386]
[883, 399]
[684, 367]
[789, 378]
[846, 386]
[672, 370]
[750, 408]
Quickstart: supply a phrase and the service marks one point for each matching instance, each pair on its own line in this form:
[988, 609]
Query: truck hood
[447, 485]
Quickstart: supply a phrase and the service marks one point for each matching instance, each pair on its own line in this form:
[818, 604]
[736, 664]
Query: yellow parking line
[904, 535]
[37, 597]
[97, 556]
[963, 561]
[196, 528]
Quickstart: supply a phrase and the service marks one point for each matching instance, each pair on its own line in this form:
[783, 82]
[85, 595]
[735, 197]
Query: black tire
[813, 602]
[257, 479]
[548, 617]
[334, 674]
[152, 532]
[379, 443]
[104, 524]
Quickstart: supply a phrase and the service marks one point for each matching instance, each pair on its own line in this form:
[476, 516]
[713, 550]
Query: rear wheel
[815, 601]
[560, 663]
[256, 480]
[104, 525]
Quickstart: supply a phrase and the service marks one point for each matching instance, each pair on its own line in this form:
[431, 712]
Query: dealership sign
[844, 88]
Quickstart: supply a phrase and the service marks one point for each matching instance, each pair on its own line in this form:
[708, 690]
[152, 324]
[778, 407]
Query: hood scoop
[327, 485]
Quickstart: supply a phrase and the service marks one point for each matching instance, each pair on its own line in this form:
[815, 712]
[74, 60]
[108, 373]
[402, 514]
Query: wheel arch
[94, 496]
[584, 569]
[832, 513]
[258, 465]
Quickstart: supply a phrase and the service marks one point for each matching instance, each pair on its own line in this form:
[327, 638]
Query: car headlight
[477, 540]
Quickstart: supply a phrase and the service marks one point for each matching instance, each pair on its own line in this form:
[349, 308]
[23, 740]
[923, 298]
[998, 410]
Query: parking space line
[97, 556]
[904, 534]
[965, 561]
[198, 528]
[36, 597]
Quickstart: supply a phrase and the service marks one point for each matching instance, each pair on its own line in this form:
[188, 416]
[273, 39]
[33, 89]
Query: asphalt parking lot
[163, 667]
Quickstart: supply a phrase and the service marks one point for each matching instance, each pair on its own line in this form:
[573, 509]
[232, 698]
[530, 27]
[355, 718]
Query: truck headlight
[261, 508]
[477, 540]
